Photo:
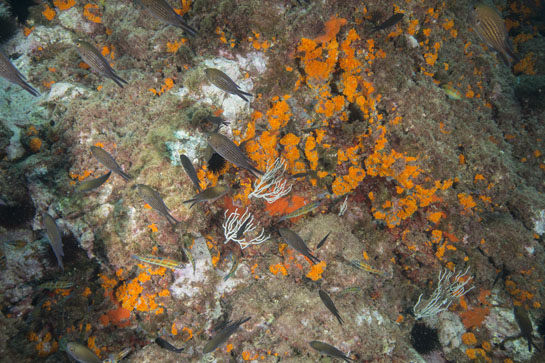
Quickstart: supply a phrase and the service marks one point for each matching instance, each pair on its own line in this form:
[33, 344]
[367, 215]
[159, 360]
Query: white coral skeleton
[233, 224]
[271, 186]
[445, 293]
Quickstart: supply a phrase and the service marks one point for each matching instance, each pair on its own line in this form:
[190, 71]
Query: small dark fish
[190, 171]
[329, 350]
[222, 336]
[242, 228]
[228, 150]
[391, 21]
[108, 161]
[210, 195]
[525, 324]
[330, 306]
[12, 74]
[323, 241]
[88, 185]
[163, 12]
[80, 353]
[223, 82]
[97, 62]
[297, 243]
[490, 27]
[166, 345]
[54, 237]
[155, 201]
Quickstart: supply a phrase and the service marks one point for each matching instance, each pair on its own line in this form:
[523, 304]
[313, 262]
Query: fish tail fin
[243, 320]
[186, 27]
[314, 259]
[241, 95]
[172, 220]
[189, 30]
[124, 175]
[245, 93]
[118, 80]
[192, 201]
[257, 173]
[27, 87]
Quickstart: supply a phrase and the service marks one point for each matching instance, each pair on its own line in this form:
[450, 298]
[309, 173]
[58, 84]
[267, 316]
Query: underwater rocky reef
[272, 181]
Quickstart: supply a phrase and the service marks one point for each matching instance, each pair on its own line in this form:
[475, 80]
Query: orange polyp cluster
[279, 114]
[186, 6]
[169, 83]
[64, 4]
[172, 47]
[91, 12]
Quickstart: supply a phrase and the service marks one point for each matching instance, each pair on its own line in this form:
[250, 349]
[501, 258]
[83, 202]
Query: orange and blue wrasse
[159, 261]
[365, 267]
[116, 357]
[53, 285]
[303, 210]
[234, 267]
[451, 92]
[190, 258]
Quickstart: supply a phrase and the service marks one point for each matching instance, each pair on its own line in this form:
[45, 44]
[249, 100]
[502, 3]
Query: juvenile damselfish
[166, 345]
[228, 150]
[330, 350]
[154, 200]
[12, 74]
[225, 83]
[97, 62]
[54, 237]
[108, 161]
[490, 27]
[88, 185]
[294, 241]
[208, 195]
[163, 12]
[190, 171]
[220, 338]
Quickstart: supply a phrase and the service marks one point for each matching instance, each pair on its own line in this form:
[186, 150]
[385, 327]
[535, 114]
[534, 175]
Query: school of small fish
[486, 21]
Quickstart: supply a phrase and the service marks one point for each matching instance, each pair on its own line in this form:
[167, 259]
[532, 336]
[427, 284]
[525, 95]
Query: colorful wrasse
[53, 285]
[159, 261]
[365, 267]
[234, 267]
[451, 92]
[303, 210]
[116, 357]
[190, 258]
